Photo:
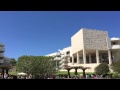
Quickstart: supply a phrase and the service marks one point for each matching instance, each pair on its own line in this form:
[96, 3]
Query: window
[68, 53]
[75, 60]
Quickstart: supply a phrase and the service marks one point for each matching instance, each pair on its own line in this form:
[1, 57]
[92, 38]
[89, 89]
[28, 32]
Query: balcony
[68, 55]
[62, 61]
[1, 60]
[7, 59]
[57, 58]
[2, 49]
[63, 64]
[2, 45]
[1, 55]
[115, 46]
[114, 39]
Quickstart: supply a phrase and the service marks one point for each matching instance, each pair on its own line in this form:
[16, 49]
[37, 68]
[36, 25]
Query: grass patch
[13, 73]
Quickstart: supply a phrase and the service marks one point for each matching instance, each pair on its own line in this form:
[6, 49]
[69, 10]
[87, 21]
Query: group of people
[24, 76]
[5, 76]
[87, 76]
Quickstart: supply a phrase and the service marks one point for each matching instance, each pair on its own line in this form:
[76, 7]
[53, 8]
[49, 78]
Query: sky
[43, 32]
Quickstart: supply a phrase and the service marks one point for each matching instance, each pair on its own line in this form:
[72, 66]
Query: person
[87, 76]
[81, 76]
[0, 76]
[5, 75]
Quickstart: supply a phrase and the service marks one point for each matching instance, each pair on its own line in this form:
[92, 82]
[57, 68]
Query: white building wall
[52, 54]
[65, 50]
[109, 43]
[77, 42]
[116, 55]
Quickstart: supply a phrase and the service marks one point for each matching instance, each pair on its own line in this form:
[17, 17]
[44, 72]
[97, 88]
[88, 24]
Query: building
[90, 47]
[4, 61]
[2, 50]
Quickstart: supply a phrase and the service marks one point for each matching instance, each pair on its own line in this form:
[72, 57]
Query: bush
[116, 66]
[115, 75]
[102, 68]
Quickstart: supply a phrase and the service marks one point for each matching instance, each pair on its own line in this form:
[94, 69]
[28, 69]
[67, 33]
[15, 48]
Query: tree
[115, 66]
[83, 69]
[39, 66]
[57, 66]
[13, 61]
[102, 68]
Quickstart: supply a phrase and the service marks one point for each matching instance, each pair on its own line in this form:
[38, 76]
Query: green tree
[102, 68]
[56, 63]
[39, 66]
[13, 61]
[115, 66]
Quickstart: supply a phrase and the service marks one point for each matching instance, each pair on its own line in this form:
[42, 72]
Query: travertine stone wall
[95, 39]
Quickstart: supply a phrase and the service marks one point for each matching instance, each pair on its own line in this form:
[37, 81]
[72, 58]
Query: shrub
[115, 75]
[115, 66]
[102, 68]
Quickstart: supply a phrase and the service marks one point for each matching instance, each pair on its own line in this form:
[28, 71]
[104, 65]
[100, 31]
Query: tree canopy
[115, 66]
[39, 66]
[13, 61]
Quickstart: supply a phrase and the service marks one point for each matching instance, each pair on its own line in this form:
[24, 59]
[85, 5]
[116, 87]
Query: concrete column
[84, 56]
[109, 56]
[72, 59]
[90, 61]
[78, 58]
[97, 56]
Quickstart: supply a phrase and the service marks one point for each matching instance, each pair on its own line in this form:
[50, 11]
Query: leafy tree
[115, 66]
[13, 61]
[39, 66]
[57, 65]
[115, 75]
[102, 68]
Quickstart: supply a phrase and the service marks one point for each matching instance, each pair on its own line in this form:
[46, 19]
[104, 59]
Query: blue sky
[44, 32]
